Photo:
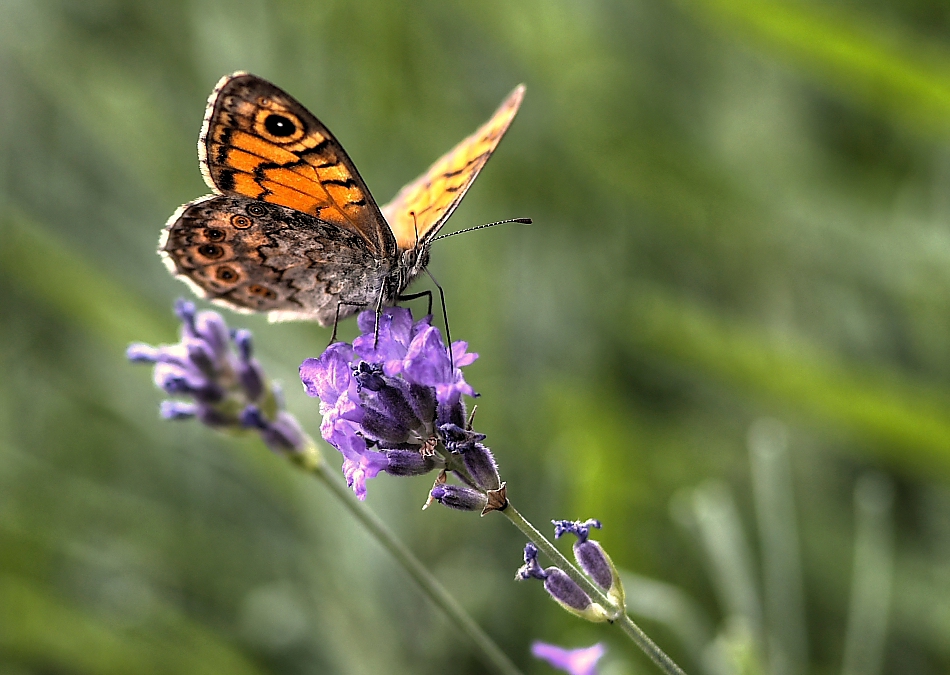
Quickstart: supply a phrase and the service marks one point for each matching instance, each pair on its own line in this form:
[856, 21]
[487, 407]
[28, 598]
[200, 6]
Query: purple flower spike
[573, 661]
[386, 397]
[224, 386]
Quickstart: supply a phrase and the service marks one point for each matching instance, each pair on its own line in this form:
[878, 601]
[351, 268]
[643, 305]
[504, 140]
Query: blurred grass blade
[781, 555]
[731, 564]
[40, 631]
[873, 574]
[64, 282]
[874, 64]
[895, 416]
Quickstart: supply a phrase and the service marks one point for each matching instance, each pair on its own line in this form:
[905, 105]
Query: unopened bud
[561, 587]
[409, 463]
[459, 497]
[592, 558]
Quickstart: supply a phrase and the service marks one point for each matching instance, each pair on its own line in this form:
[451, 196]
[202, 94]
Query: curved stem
[627, 625]
[311, 460]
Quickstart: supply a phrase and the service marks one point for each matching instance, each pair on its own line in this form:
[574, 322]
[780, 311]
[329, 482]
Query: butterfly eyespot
[226, 274]
[279, 126]
[214, 234]
[257, 210]
[261, 291]
[210, 251]
[241, 222]
[263, 101]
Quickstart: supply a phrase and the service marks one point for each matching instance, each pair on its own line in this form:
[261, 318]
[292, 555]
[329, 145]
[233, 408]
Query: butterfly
[291, 228]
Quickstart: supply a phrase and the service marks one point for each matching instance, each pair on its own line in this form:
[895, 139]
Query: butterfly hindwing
[422, 207]
[257, 141]
[257, 257]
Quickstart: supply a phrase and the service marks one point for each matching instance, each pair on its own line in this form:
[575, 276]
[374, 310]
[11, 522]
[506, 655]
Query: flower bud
[409, 463]
[458, 497]
[592, 558]
[249, 371]
[481, 467]
[177, 410]
[283, 434]
[561, 587]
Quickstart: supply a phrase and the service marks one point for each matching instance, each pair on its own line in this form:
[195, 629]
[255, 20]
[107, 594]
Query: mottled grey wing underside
[254, 256]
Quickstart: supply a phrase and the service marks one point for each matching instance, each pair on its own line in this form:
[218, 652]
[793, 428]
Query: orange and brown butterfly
[291, 229]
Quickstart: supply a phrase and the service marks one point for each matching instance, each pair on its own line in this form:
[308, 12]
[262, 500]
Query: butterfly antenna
[524, 221]
[415, 226]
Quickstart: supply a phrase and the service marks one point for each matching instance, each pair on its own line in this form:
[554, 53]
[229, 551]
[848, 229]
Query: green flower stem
[627, 625]
[312, 461]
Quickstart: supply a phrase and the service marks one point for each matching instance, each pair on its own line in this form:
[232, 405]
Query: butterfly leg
[445, 316]
[336, 318]
[379, 311]
[414, 296]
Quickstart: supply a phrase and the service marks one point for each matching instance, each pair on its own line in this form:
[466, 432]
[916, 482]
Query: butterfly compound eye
[279, 126]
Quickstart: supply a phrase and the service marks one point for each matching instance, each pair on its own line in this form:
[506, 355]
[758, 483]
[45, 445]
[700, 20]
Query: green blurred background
[726, 335]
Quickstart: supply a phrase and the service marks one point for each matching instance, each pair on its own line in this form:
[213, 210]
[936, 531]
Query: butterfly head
[412, 263]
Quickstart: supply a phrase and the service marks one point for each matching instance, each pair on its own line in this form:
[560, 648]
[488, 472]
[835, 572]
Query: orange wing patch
[259, 142]
[422, 207]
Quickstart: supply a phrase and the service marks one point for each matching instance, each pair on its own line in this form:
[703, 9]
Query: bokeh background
[726, 335]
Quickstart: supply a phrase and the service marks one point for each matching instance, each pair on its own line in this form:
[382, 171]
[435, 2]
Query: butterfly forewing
[259, 142]
[422, 207]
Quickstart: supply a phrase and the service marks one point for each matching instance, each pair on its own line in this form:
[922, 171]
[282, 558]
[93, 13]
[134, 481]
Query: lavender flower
[394, 403]
[561, 587]
[223, 384]
[581, 661]
[591, 557]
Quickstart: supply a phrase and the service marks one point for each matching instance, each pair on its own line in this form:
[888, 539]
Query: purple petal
[330, 375]
[395, 328]
[358, 471]
[460, 356]
[343, 435]
[574, 661]
[426, 361]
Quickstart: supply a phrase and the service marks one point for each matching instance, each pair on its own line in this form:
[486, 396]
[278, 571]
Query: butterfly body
[292, 229]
